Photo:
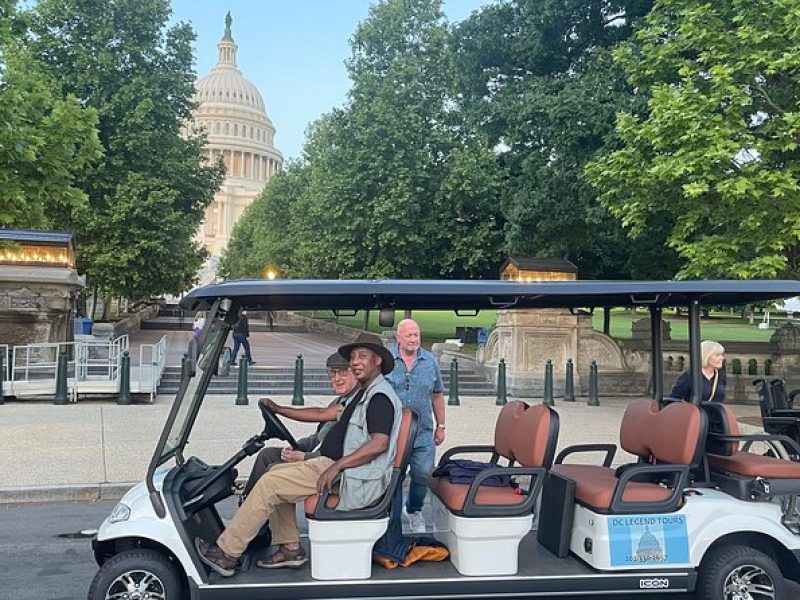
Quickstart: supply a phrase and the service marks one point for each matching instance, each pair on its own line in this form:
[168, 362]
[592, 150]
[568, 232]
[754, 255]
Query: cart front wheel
[740, 573]
[139, 574]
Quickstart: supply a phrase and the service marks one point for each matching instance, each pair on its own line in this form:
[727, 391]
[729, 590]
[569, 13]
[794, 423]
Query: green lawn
[439, 325]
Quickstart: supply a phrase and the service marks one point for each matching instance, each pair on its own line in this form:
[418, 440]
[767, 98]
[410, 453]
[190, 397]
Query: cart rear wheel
[139, 574]
[740, 573]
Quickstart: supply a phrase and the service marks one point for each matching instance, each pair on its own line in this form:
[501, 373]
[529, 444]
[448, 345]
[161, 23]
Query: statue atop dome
[228, 22]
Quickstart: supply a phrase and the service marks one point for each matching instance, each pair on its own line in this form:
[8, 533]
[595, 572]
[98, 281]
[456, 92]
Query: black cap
[336, 361]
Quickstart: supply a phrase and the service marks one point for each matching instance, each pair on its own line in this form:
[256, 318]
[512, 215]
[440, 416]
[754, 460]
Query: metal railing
[152, 361]
[93, 367]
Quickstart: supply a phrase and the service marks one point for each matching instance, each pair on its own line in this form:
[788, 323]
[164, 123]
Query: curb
[64, 493]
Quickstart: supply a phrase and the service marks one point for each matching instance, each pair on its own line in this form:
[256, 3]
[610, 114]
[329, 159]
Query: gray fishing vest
[361, 486]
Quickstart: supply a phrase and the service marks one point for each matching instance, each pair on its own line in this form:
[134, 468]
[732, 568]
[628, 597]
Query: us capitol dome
[232, 112]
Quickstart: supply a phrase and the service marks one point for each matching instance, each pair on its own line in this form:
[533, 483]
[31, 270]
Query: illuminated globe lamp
[39, 286]
[270, 273]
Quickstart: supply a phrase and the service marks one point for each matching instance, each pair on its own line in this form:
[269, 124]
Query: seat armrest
[473, 509]
[609, 449]
[789, 413]
[760, 437]
[377, 510]
[469, 450]
[680, 475]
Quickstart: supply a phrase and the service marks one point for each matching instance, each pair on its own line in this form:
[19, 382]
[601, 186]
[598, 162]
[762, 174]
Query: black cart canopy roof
[311, 294]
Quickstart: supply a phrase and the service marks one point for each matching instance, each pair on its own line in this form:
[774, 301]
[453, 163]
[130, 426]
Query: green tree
[148, 195]
[538, 78]
[263, 236]
[393, 184]
[717, 153]
[46, 140]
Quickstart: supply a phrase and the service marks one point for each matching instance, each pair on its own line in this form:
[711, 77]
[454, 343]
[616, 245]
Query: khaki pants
[273, 499]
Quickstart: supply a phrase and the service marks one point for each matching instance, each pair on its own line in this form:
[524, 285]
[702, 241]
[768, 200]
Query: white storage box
[483, 545]
[343, 549]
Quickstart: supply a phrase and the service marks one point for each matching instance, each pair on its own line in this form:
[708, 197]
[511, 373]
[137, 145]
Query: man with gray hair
[344, 385]
[418, 383]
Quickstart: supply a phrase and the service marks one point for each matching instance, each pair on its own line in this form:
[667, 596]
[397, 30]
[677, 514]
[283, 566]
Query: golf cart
[695, 512]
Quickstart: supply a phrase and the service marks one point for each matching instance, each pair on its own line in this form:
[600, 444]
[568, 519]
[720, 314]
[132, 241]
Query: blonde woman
[713, 376]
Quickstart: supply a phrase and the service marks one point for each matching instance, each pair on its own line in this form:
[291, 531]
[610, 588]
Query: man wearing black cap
[359, 450]
[344, 385]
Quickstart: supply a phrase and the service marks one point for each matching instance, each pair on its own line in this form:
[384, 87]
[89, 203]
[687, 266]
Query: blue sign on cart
[648, 540]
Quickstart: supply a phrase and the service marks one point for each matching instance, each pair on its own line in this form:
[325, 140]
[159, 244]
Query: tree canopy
[539, 79]
[148, 193]
[393, 184]
[46, 140]
[716, 153]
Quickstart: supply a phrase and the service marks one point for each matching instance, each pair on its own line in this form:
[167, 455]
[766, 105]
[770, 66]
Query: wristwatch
[441, 427]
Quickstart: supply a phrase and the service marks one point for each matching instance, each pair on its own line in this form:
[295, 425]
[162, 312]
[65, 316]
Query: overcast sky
[293, 51]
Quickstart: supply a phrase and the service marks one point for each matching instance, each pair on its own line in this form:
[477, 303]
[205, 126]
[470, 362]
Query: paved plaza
[96, 448]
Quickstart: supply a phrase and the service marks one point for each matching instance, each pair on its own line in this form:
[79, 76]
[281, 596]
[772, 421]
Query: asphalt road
[41, 559]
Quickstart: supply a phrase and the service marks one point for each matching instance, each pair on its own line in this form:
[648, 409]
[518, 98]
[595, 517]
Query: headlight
[121, 512]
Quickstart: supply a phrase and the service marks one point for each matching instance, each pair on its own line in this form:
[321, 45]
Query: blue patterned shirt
[415, 388]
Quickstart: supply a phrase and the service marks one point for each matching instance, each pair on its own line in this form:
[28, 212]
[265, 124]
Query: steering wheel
[274, 427]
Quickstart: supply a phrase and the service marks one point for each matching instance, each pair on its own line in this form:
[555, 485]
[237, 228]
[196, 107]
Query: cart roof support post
[695, 364]
[656, 353]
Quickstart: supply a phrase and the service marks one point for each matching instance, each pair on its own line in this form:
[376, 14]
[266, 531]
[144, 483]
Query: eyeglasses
[408, 382]
[333, 373]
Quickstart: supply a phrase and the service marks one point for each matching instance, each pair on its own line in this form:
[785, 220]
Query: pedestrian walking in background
[198, 324]
[418, 383]
[241, 333]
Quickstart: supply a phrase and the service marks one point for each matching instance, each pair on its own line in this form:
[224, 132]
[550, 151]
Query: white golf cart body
[603, 551]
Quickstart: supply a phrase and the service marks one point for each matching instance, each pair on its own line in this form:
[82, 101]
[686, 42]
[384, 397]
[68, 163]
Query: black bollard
[184, 367]
[593, 399]
[501, 383]
[548, 399]
[125, 379]
[61, 379]
[453, 399]
[297, 397]
[241, 389]
[569, 383]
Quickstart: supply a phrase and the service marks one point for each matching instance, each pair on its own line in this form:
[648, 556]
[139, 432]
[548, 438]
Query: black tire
[142, 566]
[724, 565]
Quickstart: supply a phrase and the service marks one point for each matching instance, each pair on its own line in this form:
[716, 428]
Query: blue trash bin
[86, 328]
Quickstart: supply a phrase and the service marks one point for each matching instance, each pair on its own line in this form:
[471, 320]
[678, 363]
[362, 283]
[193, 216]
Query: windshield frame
[219, 322]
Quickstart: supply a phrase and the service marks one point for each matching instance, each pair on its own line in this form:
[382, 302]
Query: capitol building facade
[232, 112]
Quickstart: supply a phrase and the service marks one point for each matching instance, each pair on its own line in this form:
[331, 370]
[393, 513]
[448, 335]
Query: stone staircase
[279, 381]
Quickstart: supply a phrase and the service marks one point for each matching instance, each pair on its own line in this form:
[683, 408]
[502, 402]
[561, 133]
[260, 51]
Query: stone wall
[37, 303]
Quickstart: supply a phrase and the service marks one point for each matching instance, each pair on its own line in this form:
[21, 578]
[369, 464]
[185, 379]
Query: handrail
[32, 368]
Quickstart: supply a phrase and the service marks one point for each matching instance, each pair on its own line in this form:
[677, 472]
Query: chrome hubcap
[136, 585]
[749, 582]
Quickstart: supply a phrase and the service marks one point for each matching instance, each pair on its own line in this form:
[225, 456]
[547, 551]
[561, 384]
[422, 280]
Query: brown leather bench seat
[732, 460]
[667, 441]
[595, 486]
[524, 435]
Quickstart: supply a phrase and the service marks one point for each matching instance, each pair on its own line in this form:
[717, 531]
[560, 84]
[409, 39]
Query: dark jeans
[240, 340]
[392, 544]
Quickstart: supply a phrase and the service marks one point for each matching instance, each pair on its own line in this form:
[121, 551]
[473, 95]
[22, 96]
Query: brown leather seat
[667, 442]
[595, 486]
[733, 460]
[408, 425]
[523, 435]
